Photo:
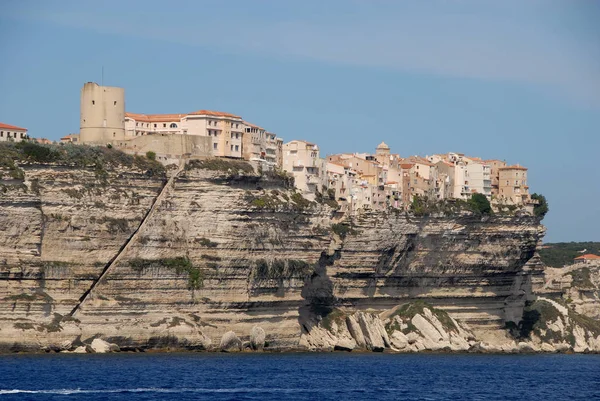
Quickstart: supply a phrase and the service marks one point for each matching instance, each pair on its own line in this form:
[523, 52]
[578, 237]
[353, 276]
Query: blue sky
[514, 80]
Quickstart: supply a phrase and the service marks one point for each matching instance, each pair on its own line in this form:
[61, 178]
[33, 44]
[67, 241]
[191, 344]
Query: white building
[11, 133]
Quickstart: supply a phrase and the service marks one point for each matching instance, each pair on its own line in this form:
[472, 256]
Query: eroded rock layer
[231, 251]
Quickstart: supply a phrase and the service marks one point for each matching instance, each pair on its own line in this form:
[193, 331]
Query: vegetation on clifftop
[224, 165]
[99, 157]
[541, 208]
[562, 253]
[423, 206]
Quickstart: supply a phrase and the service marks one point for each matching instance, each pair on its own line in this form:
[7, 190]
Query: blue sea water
[333, 376]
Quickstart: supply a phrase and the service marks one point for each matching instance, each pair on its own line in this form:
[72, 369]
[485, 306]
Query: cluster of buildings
[201, 133]
[381, 180]
[356, 180]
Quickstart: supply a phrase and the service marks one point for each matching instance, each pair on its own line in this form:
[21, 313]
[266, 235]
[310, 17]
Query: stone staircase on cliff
[157, 201]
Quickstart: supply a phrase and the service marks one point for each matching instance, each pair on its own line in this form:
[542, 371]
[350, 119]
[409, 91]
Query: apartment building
[478, 177]
[513, 185]
[11, 133]
[301, 159]
[495, 166]
[225, 129]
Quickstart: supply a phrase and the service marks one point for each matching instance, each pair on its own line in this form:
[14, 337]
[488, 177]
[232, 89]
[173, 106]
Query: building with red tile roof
[12, 133]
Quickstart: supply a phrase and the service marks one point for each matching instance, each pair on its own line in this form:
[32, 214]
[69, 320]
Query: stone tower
[382, 149]
[102, 114]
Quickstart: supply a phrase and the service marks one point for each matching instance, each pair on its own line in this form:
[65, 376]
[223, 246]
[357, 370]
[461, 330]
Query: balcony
[312, 180]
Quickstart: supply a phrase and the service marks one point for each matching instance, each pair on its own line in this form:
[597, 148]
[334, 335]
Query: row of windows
[94, 102]
[215, 123]
[173, 125]
[235, 135]
[237, 148]
[22, 134]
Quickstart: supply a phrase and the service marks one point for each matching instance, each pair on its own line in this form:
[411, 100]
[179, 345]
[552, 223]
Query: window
[164, 125]
[154, 125]
[237, 148]
[232, 135]
[115, 103]
[214, 146]
[136, 124]
[232, 148]
[93, 102]
[173, 125]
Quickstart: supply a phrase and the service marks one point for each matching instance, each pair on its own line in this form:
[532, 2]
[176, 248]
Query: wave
[66, 391]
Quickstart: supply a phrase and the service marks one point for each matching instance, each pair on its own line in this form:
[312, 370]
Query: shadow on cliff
[318, 293]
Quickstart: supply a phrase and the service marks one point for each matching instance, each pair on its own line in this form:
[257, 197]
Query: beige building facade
[301, 159]
[513, 185]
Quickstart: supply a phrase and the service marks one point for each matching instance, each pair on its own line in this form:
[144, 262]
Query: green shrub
[281, 269]
[180, 264]
[207, 243]
[150, 155]
[479, 203]
[582, 278]
[541, 208]
[100, 158]
[343, 230]
[218, 164]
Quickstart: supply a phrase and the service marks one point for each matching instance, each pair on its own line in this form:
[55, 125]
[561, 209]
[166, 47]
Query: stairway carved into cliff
[107, 268]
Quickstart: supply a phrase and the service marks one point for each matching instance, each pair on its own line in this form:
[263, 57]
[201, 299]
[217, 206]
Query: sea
[298, 376]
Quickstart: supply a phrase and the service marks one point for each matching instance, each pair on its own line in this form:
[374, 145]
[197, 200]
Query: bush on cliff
[541, 208]
[225, 165]
[97, 157]
[180, 264]
[479, 203]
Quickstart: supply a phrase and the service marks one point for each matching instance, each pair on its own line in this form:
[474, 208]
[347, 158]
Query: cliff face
[223, 251]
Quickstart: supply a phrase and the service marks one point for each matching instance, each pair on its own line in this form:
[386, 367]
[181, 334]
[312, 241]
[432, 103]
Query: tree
[541, 208]
[480, 203]
[151, 155]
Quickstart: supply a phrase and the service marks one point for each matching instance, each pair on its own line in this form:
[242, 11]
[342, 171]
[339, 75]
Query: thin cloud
[499, 44]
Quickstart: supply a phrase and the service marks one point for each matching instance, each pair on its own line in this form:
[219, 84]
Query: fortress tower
[102, 114]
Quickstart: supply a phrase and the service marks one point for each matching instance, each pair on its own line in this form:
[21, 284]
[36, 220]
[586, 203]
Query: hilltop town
[356, 181]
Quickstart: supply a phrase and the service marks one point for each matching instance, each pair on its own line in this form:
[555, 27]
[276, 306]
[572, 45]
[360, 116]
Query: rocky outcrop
[578, 285]
[257, 338]
[224, 249]
[411, 327]
[230, 342]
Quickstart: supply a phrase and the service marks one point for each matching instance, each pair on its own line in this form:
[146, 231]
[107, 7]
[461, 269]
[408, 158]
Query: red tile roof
[588, 256]
[213, 113]
[253, 125]
[161, 118]
[515, 167]
[7, 126]
[155, 118]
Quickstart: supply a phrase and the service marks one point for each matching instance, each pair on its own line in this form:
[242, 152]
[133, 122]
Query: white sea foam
[66, 391]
